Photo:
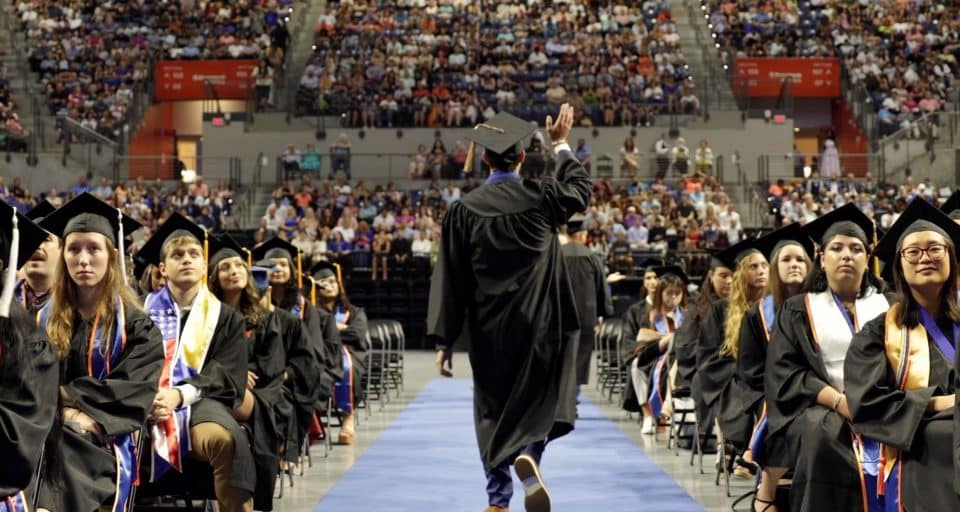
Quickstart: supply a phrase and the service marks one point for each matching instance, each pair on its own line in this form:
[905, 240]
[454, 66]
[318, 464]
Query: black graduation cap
[38, 212]
[794, 233]
[951, 206]
[919, 216]
[324, 269]
[847, 220]
[674, 270]
[139, 266]
[649, 263]
[732, 255]
[175, 226]
[222, 247]
[31, 236]
[575, 223]
[279, 248]
[501, 134]
[87, 214]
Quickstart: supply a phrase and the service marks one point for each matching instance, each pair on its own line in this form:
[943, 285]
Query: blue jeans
[500, 480]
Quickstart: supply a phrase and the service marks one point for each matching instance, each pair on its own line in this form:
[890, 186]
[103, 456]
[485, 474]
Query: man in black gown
[39, 271]
[590, 287]
[501, 284]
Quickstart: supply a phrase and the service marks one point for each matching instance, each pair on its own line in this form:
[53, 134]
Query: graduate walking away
[500, 284]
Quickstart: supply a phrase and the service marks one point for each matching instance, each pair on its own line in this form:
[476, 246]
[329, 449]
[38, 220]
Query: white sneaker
[649, 427]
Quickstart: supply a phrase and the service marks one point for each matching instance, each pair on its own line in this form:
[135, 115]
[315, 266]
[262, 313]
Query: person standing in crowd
[899, 372]
[264, 407]
[590, 289]
[662, 150]
[721, 330]
[111, 355]
[584, 154]
[33, 290]
[789, 251]
[28, 375]
[807, 412]
[205, 375]
[340, 156]
[499, 253]
[351, 323]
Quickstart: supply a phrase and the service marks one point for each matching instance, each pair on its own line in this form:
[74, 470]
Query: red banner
[184, 79]
[765, 77]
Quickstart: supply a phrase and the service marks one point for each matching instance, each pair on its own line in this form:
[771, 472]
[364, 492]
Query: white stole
[831, 332]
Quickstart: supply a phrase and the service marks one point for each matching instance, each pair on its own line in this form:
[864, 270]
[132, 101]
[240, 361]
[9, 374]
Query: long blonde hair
[64, 299]
[740, 302]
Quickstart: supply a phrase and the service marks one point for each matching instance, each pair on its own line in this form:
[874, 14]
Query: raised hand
[559, 130]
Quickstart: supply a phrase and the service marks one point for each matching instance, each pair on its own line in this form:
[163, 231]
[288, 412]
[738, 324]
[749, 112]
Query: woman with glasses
[807, 410]
[899, 371]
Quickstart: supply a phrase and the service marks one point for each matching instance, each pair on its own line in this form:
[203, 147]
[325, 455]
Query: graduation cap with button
[951, 207]
[793, 234]
[174, 228]
[276, 248]
[500, 135]
[731, 256]
[847, 220]
[38, 212]
[87, 214]
[919, 216]
[672, 270]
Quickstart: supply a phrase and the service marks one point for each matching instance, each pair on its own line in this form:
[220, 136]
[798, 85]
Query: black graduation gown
[300, 390]
[119, 404]
[331, 367]
[221, 382]
[745, 401]
[592, 296]
[28, 404]
[500, 285]
[816, 440]
[266, 358]
[713, 372]
[636, 318]
[900, 419]
[354, 337]
[686, 341]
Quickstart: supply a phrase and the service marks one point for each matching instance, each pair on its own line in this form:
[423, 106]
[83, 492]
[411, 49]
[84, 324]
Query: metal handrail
[87, 132]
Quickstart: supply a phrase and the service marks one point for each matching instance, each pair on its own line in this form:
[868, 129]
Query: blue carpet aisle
[427, 460]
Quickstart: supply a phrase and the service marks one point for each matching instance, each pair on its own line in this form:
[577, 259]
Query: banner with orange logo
[178, 80]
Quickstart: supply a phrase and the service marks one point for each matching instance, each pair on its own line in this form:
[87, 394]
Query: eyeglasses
[913, 255]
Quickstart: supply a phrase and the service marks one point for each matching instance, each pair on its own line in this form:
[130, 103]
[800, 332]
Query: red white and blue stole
[343, 388]
[183, 357]
[102, 356]
[768, 315]
[15, 503]
[657, 393]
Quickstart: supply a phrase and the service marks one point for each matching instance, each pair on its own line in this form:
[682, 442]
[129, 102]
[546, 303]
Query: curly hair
[740, 302]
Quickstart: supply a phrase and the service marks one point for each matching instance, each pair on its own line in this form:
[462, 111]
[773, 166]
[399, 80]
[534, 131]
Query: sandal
[766, 504]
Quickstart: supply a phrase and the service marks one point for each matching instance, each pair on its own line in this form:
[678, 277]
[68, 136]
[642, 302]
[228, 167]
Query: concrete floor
[309, 489]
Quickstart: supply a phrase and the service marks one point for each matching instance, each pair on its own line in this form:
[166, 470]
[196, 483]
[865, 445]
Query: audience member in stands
[807, 411]
[340, 156]
[629, 155]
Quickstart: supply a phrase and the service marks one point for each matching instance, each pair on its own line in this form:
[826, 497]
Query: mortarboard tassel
[313, 291]
[9, 280]
[206, 253]
[472, 150]
[249, 257]
[299, 270]
[120, 248]
[339, 276]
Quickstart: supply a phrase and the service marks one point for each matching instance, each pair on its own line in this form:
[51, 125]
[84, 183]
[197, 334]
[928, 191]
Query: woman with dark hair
[717, 285]
[111, 355]
[807, 412]
[664, 317]
[789, 250]
[351, 323]
[286, 292]
[28, 375]
[899, 370]
[634, 319]
[265, 406]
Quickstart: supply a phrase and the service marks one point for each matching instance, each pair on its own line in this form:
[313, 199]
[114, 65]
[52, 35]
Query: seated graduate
[789, 251]
[351, 323]
[633, 320]
[900, 370]
[204, 375]
[33, 290]
[717, 285]
[264, 407]
[286, 292]
[807, 411]
[663, 318]
[111, 359]
[28, 373]
[719, 336]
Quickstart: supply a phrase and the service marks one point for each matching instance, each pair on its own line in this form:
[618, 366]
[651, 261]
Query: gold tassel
[339, 277]
[206, 254]
[468, 163]
[313, 291]
[876, 261]
[299, 271]
[249, 257]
